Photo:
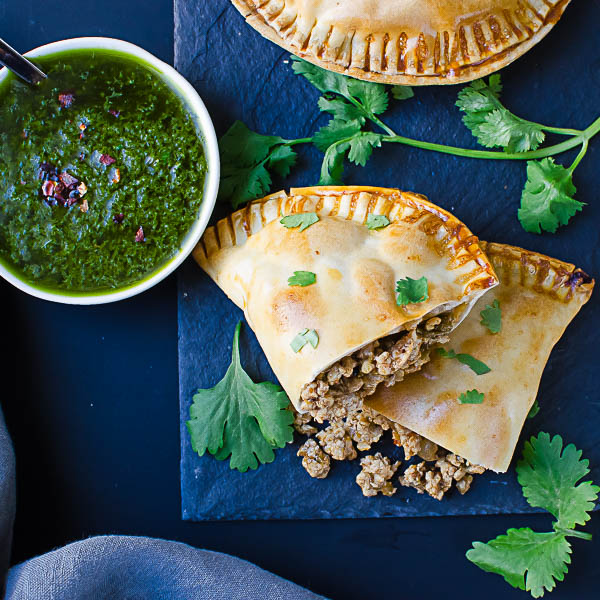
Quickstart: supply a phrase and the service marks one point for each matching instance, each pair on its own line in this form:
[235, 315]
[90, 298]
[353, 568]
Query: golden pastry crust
[405, 42]
[538, 296]
[250, 255]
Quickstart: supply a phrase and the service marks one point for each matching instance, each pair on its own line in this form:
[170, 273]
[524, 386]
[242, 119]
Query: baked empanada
[331, 342]
[405, 42]
[538, 297]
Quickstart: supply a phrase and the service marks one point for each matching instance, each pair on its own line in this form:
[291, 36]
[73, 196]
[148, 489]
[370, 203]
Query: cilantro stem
[578, 137]
[383, 126]
[306, 140]
[578, 158]
[488, 154]
[573, 533]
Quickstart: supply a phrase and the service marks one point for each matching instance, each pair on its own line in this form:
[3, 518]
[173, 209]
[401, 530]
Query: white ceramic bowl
[208, 137]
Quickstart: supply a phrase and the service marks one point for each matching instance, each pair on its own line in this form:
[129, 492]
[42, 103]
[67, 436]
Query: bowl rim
[208, 136]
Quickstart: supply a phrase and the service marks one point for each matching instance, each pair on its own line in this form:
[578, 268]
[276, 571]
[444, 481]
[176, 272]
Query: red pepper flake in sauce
[66, 99]
[118, 219]
[115, 113]
[139, 236]
[82, 127]
[68, 179]
[48, 188]
[116, 176]
[107, 159]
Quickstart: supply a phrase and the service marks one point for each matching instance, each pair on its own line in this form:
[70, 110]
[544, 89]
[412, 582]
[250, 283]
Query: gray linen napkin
[127, 568]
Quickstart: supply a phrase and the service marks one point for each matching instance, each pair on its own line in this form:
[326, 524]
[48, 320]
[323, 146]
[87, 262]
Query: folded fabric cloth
[128, 568]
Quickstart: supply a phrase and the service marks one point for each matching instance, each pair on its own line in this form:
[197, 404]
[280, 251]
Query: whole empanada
[538, 298]
[364, 337]
[406, 42]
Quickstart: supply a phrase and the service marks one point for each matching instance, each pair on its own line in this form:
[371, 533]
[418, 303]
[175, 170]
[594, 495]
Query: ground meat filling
[336, 441]
[413, 444]
[302, 424]
[438, 478]
[336, 397]
[314, 460]
[339, 392]
[375, 475]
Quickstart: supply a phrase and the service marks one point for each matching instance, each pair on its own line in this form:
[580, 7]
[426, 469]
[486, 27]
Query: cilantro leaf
[340, 109]
[412, 291]
[377, 221]
[402, 92]
[547, 199]
[282, 159]
[332, 168]
[371, 97]
[335, 131]
[312, 337]
[335, 140]
[302, 278]
[299, 341]
[245, 156]
[477, 100]
[323, 80]
[526, 559]
[549, 475]
[302, 220]
[478, 367]
[534, 410]
[306, 336]
[239, 419]
[361, 147]
[471, 397]
[491, 317]
[242, 184]
[503, 129]
[491, 123]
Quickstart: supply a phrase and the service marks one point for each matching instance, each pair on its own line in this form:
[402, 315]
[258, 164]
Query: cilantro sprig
[355, 130]
[477, 366]
[471, 397]
[491, 316]
[239, 419]
[550, 476]
[412, 291]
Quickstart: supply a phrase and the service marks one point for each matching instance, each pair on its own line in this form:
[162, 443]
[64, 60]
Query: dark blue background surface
[91, 398]
[212, 46]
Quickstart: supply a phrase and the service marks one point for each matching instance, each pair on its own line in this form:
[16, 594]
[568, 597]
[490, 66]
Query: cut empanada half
[332, 340]
[538, 297]
[406, 42]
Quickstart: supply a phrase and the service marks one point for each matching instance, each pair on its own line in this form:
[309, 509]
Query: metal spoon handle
[19, 65]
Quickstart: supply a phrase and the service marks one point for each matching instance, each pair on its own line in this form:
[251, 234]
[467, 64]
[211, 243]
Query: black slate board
[240, 75]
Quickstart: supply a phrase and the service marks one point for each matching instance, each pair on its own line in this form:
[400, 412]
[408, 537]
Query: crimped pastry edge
[355, 203]
[450, 57]
[538, 272]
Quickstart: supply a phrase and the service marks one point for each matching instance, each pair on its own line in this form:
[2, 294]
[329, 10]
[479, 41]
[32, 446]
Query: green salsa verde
[101, 172]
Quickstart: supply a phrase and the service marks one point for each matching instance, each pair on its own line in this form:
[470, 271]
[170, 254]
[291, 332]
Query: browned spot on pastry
[512, 25]
[437, 53]
[367, 66]
[422, 53]
[480, 40]
[291, 306]
[496, 30]
[325, 43]
[402, 41]
[384, 61]
[462, 40]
